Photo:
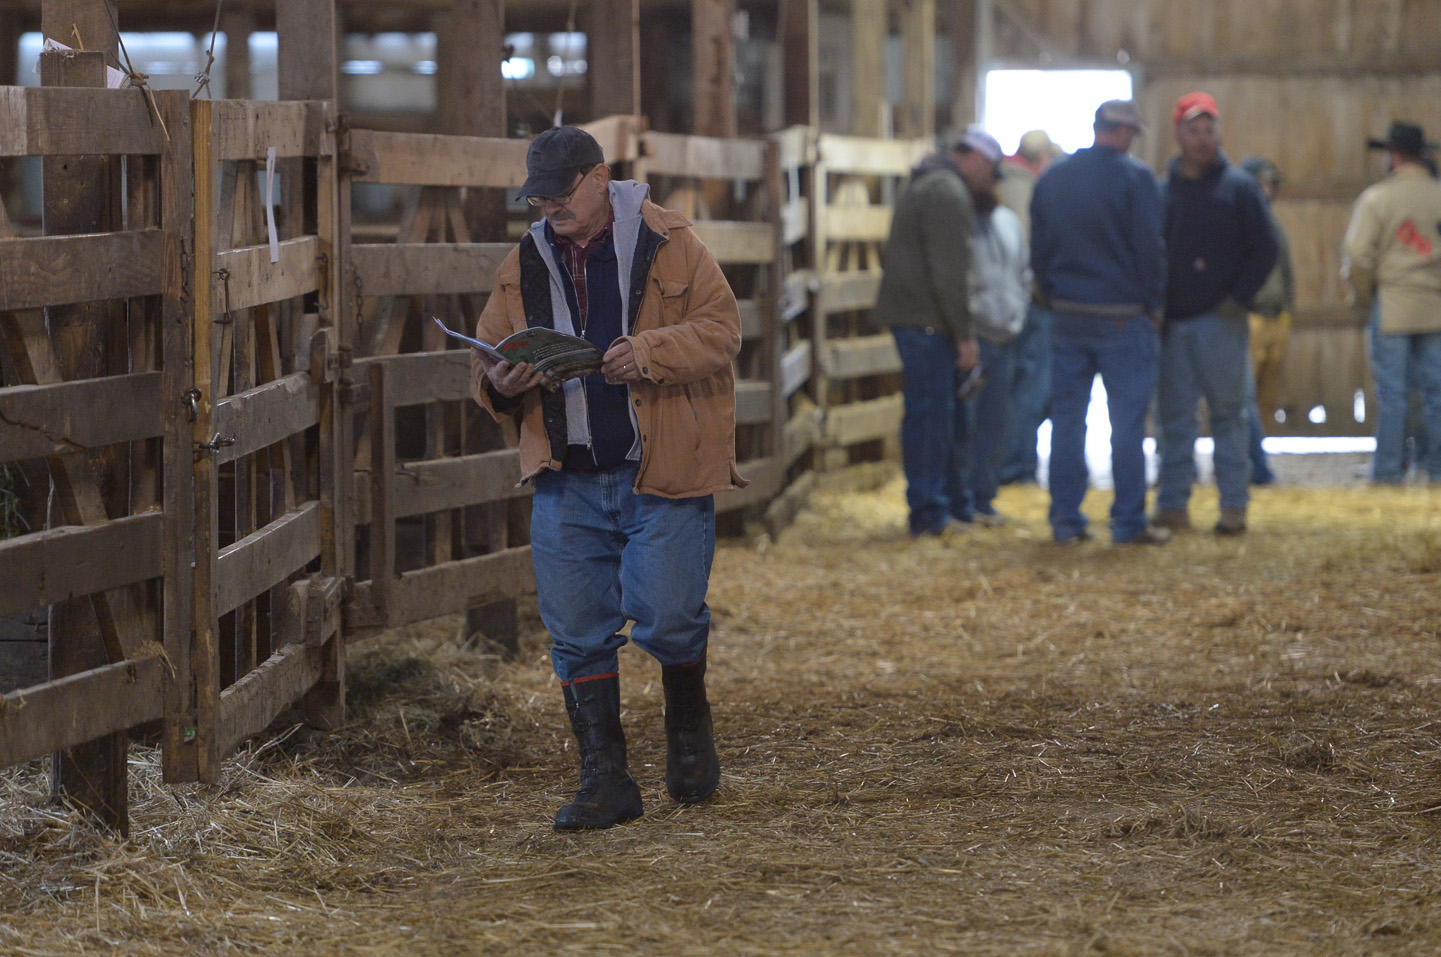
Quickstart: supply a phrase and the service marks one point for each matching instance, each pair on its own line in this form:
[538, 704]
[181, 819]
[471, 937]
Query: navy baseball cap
[554, 158]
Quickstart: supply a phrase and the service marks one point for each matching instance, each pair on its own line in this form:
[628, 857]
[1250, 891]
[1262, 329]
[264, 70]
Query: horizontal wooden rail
[421, 377]
[59, 564]
[742, 243]
[266, 414]
[247, 707]
[795, 147]
[753, 403]
[247, 129]
[445, 589]
[263, 559]
[863, 421]
[246, 277]
[855, 154]
[795, 368]
[861, 356]
[703, 157]
[59, 270]
[440, 484]
[400, 269]
[68, 121]
[63, 713]
[424, 159]
[864, 224]
[847, 292]
[43, 420]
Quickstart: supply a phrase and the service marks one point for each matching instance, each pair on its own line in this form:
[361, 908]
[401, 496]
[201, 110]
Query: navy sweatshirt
[1096, 235]
[1219, 240]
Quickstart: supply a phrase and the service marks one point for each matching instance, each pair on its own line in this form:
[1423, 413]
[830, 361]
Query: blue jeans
[1124, 353]
[933, 430]
[604, 555]
[1261, 473]
[1030, 396]
[987, 416]
[1399, 361]
[1204, 356]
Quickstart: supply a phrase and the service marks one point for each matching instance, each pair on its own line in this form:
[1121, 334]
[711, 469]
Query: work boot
[1231, 522]
[608, 795]
[1171, 519]
[692, 767]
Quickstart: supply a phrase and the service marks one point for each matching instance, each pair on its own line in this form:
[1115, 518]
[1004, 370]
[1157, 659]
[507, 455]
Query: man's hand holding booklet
[554, 354]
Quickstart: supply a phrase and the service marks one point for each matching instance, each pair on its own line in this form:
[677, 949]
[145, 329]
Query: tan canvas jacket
[1393, 251]
[685, 334]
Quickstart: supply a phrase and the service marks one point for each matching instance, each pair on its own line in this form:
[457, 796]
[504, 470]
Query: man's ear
[602, 175]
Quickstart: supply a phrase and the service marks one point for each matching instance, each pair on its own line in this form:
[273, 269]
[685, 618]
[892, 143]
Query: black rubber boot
[608, 795]
[692, 767]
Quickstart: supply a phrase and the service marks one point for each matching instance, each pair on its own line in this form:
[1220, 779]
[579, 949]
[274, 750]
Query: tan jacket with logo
[685, 334]
[1393, 250]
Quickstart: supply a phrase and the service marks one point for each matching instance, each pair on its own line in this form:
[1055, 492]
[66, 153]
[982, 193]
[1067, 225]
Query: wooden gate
[128, 415]
[267, 358]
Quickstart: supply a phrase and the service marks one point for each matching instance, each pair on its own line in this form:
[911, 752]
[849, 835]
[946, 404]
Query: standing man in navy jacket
[1097, 254]
[1220, 248]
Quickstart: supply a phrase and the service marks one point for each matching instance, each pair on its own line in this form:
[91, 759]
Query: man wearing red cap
[1220, 247]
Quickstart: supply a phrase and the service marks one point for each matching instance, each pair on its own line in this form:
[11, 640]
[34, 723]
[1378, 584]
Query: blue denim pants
[1400, 362]
[1124, 353]
[1204, 356]
[1030, 396]
[604, 555]
[988, 416]
[933, 430]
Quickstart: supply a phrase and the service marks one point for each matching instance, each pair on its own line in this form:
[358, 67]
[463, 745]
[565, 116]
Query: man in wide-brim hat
[1392, 259]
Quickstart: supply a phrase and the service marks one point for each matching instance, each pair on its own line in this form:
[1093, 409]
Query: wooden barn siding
[1303, 83]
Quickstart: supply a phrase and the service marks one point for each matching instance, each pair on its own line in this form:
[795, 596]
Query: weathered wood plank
[440, 484]
[618, 136]
[795, 368]
[46, 420]
[262, 559]
[63, 563]
[796, 147]
[249, 705]
[59, 270]
[401, 269]
[795, 220]
[863, 421]
[246, 277]
[424, 376]
[846, 292]
[61, 714]
[434, 160]
[866, 224]
[858, 154]
[753, 403]
[266, 414]
[796, 296]
[246, 129]
[751, 325]
[60, 121]
[451, 588]
[732, 242]
[861, 356]
[675, 154]
[802, 433]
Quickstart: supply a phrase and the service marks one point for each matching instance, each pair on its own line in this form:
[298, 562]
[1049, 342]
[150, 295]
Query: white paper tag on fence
[270, 205]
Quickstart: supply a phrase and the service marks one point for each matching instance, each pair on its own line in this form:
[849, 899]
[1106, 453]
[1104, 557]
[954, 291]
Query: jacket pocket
[672, 297]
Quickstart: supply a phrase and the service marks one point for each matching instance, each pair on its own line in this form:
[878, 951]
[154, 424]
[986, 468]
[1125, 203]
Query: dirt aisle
[987, 745]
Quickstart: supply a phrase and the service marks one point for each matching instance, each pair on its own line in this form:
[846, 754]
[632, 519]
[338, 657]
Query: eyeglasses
[564, 198]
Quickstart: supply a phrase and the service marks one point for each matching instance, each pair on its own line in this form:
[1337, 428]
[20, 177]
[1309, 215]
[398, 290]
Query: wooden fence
[306, 465]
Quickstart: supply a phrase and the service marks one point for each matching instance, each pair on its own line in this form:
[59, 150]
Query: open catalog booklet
[556, 354]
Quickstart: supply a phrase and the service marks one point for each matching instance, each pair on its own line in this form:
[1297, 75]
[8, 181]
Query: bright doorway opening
[1061, 102]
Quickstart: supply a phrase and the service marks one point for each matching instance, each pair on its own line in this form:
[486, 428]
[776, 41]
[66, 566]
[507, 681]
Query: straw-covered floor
[985, 745]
